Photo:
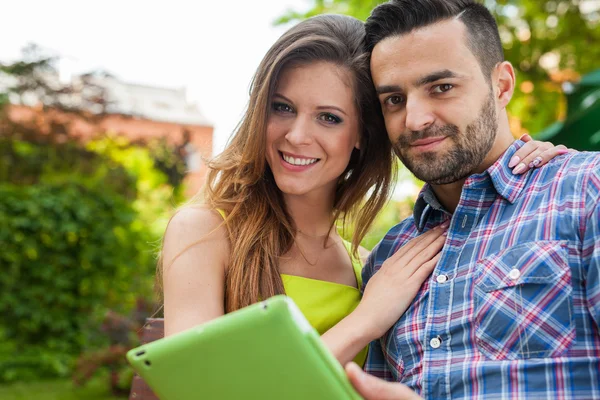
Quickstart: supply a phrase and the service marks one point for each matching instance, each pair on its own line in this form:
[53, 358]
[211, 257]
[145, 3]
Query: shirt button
[442, 278]
[436, 342]
[514, 274]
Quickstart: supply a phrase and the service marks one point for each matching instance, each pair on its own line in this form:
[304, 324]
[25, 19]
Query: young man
[512, 309]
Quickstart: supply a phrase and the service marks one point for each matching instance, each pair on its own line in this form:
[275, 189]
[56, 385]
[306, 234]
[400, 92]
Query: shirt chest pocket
[523, 302]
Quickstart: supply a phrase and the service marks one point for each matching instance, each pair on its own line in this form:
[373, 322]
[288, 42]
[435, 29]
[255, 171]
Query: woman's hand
[534, 154]
[391, 290]
[388, 294]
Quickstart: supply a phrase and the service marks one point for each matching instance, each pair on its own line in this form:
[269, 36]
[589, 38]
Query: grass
[62, 389]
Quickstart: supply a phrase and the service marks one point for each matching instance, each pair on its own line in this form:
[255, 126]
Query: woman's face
[312, 129]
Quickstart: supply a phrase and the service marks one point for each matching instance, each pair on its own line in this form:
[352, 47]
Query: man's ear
[503, 79]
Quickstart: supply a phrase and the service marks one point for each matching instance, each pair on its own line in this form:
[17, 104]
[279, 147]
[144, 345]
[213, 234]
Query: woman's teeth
[299, 161]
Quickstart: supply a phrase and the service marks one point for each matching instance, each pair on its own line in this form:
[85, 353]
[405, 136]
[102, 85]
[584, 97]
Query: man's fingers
[372, 388]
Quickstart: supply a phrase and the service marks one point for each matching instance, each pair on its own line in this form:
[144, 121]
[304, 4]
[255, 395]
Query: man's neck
[449, 195]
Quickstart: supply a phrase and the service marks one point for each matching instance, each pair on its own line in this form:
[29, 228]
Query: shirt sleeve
[591, 245]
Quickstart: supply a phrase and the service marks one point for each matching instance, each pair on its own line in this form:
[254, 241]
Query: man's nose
[419, 114]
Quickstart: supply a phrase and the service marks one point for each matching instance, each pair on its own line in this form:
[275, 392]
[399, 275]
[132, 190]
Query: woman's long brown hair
[241, 183]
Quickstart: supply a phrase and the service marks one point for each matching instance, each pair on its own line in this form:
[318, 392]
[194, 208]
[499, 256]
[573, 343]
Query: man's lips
[426, 141]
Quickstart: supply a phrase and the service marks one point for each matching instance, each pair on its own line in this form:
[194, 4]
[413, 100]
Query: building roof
[149, 102]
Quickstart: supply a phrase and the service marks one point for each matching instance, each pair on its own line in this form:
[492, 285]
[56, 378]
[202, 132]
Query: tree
[548, 41]
[79, 221]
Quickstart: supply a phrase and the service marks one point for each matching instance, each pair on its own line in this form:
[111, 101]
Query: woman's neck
[312, 215]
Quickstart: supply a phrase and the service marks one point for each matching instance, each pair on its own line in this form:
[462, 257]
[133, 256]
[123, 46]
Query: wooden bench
[154, 329]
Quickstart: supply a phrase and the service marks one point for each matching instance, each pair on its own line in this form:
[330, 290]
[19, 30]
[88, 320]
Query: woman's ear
[357, 144]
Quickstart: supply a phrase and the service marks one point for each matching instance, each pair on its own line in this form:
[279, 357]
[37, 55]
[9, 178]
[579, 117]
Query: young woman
[310, 155]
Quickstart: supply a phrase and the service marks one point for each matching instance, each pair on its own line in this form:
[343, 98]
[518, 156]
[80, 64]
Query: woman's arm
[194, 258]
[388, 294]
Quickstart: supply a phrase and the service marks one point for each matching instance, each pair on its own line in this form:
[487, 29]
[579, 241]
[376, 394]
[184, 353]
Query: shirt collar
[499, 175]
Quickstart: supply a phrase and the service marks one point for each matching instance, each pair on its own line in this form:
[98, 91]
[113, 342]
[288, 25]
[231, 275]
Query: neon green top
[325, 303]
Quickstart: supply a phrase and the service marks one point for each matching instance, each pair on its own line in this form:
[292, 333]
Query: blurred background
[106, 115]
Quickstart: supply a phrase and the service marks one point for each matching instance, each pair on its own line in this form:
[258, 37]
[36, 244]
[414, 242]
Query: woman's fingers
[427, 236]
[526, 138]
[534, 154]
[548, 155]
[422, 251]
[423, 272]
[423, 259]
[523, 157]
[404, 267]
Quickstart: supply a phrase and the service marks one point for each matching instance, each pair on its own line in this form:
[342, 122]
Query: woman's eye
[282, 107]
[394, 100]
[442, 88]
[330, 118]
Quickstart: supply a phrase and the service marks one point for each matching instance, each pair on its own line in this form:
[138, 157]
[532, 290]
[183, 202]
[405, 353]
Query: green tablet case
[265, 351]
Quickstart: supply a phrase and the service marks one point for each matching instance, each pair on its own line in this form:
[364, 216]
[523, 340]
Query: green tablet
[265, 351]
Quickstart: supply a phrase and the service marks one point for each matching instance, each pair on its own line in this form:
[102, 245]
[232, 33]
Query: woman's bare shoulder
[192, 225]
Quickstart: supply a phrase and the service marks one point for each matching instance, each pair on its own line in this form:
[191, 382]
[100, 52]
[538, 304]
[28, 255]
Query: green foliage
[58, 390]
[79, 225]
[78, 229]
[154, 193]
[69, 251]
[534, 33]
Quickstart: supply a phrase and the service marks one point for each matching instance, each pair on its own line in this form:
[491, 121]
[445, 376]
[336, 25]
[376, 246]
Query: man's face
[440, 111]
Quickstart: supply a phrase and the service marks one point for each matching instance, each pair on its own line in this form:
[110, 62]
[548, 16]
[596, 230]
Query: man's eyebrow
[388, 89]
[436, 76]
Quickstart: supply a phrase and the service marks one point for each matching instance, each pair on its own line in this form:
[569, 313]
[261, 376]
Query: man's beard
[468, 151]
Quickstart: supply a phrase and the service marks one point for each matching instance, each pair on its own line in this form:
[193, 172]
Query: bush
[69, 252]
[78, 228]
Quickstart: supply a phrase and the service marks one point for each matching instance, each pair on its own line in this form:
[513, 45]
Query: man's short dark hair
[397, 17]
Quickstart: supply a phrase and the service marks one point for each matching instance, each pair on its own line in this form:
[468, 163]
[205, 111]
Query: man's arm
[591, 244]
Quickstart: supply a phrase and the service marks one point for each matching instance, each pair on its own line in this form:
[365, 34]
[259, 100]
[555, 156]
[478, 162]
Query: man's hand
[372, 388]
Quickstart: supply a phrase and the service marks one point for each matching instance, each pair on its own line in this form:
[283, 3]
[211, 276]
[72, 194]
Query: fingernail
[514, 161]
[536, 161]
[519, 168]
[562, 151]
[445, 224]
[445, 233]
[525, 136]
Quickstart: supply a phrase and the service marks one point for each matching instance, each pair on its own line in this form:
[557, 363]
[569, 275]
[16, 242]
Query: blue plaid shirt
[512, 309]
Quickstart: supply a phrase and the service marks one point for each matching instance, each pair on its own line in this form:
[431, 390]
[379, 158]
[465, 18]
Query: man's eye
[442, 88]
[394, 100]
[330, 118]
[282, 107]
